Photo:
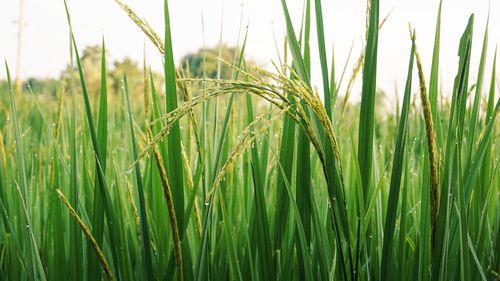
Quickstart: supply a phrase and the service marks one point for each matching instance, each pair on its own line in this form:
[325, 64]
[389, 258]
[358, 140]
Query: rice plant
[264, 176]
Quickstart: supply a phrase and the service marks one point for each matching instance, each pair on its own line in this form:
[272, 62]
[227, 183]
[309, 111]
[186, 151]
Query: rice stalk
[190, 184]
[167, 193]
[171, 212]
[135, 212]
[97, 250]
[143, 25]
[434, 157]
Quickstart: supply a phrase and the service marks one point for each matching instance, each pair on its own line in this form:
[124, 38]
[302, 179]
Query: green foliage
[272, 187]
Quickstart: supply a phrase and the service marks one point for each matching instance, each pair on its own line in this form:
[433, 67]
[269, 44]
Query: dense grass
[284, 183]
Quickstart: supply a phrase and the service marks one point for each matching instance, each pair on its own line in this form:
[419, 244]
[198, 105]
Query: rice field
[264, 176]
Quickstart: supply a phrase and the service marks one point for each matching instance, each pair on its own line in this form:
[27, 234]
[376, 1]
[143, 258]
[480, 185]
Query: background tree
[134, 75]
[91, 63]
[205, 61]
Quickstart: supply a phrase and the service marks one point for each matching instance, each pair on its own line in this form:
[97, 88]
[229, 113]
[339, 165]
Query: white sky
[46, 47]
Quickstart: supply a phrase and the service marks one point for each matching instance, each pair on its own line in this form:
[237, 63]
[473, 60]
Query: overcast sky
[46, 47]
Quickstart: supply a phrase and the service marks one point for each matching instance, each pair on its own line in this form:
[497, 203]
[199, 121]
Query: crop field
[259, 174]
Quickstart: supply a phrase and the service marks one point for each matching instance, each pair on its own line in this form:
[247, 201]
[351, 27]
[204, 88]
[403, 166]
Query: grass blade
[367, 117]
[174, 163]
[102, 139]
[145, 240]
[397, 170]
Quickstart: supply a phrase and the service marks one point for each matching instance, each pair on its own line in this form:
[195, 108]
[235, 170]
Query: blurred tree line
[202, 63]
